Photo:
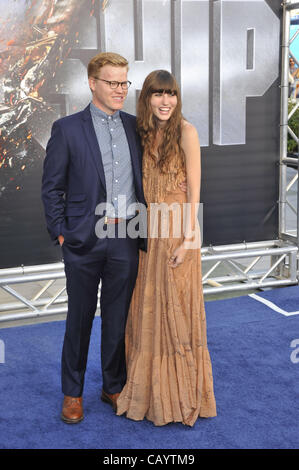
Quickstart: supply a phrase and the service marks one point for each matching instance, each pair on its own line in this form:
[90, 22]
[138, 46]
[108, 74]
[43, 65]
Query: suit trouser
[114, 262]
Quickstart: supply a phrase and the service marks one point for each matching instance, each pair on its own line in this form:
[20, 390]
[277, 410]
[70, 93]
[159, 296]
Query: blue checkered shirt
[117, 163]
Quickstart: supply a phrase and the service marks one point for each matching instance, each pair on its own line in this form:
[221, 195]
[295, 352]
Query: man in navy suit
[94, 157]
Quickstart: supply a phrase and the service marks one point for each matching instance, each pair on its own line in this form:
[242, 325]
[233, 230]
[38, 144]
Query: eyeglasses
[114, 85]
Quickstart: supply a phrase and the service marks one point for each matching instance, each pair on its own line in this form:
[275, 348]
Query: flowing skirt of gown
[169, 371]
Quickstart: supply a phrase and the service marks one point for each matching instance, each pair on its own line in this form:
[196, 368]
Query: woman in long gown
[169, 371]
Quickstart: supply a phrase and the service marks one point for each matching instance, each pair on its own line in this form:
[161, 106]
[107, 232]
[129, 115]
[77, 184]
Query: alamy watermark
[2, 352]
[158, 220]
[295, 354]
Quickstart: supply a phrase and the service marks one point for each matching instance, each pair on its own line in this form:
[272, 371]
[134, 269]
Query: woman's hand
[177, 257]
[183, 186]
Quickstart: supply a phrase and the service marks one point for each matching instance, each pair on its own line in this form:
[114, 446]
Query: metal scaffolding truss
[35, 291]
[286, 233]
[240, 267]
[249, 266]
[39, 291]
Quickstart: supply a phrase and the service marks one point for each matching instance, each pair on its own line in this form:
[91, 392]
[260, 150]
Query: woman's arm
[191, 146]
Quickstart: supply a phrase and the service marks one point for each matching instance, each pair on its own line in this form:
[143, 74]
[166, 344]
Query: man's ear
[91, 82]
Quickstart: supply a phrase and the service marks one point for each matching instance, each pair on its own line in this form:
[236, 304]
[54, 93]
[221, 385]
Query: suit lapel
[93, 144]
[131, 138]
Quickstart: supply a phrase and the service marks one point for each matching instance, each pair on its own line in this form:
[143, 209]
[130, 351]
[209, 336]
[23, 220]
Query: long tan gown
[169, 371]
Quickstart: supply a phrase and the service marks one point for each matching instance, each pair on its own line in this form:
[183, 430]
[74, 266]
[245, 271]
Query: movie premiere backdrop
[226, 57]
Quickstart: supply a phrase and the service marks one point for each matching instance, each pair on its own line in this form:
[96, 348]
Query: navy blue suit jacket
[73, 181]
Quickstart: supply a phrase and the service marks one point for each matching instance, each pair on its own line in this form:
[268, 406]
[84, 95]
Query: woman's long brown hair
[169, 150]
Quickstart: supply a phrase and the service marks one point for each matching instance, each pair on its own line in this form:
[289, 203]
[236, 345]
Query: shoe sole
[71, 421]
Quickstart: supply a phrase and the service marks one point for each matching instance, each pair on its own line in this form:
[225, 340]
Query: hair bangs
[168, 91]
[163, 82]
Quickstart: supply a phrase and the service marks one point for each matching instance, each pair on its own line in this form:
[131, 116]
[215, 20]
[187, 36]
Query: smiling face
[103, 96]
[163, 104]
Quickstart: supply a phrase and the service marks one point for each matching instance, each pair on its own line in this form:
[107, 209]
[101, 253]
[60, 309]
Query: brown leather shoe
[72, 410]
[110, 398]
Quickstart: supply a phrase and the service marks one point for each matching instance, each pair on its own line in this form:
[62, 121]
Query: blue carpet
[256, 386]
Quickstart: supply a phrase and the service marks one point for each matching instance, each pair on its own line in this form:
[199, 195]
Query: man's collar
[98, 112]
